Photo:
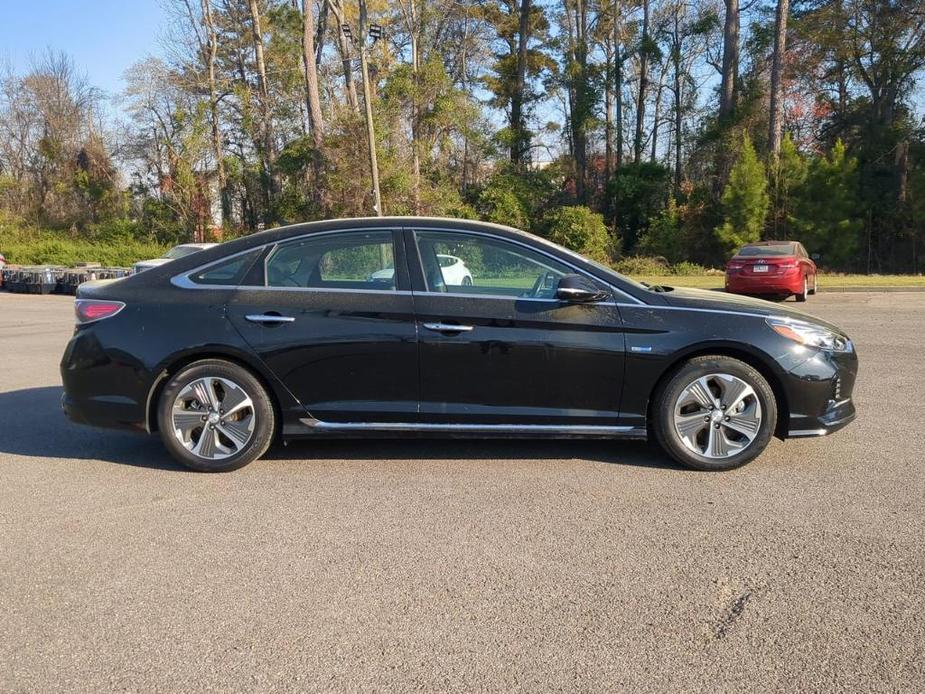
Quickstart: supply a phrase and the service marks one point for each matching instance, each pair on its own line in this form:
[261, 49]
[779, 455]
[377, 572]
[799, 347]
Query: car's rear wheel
[215, 416]
[802, 296]
[714, 413]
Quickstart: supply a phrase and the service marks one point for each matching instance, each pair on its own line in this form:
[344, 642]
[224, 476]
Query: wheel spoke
[746, 424]
[689, 425]
[734, 391]
[204, 389]
[699, 390]
[237, 432]
[186, 420]
[716, 444]
[207, 444]
[235, 400]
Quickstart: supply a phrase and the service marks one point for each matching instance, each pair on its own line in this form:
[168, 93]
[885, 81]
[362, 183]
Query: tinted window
[470, 264]
[352, 260]
[227, 272]
[767, 251]
[181, 252]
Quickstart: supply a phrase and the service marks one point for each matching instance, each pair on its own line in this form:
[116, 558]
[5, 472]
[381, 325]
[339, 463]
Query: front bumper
[820, 394]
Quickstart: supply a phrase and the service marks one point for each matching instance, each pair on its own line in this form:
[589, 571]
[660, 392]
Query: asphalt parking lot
[435, 565]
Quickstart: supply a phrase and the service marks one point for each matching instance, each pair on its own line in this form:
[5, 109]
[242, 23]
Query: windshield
[766, 251]
[181, 252]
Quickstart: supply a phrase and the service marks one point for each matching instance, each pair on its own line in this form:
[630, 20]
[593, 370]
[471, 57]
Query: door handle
[268, 318]
[448, 328]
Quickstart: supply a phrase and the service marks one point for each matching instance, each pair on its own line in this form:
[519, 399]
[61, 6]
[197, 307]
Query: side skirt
[314, 427]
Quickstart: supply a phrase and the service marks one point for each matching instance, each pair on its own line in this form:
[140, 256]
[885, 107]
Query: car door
[332, 317]
[497, 346]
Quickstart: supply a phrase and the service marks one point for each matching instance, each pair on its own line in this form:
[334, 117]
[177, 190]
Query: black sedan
[353, 328]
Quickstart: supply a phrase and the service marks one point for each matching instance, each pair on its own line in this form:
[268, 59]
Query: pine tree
[828, 215]
[787, 177]
[745, 200]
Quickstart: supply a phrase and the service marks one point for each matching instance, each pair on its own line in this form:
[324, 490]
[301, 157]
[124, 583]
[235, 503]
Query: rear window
[767, 251]
[227, 272]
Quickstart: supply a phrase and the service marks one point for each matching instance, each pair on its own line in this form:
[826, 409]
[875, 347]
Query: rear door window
[349, 260]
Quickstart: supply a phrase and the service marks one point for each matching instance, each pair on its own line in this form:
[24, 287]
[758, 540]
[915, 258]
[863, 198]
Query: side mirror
[575, 289]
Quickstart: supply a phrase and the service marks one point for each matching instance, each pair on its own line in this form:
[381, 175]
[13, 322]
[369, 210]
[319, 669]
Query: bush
[688, 269]
[642, 265]
[110, 246]
[581, 230]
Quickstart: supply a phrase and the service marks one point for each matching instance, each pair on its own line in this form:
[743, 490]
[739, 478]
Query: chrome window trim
[578, 429]
[517, 242]
[183, 280]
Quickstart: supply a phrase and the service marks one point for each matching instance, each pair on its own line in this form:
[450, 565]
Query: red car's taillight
[89, 310]
[734, 267]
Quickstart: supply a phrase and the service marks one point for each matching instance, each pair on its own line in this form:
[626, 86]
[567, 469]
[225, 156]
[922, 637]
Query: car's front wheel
[714, 413]
[215, 416]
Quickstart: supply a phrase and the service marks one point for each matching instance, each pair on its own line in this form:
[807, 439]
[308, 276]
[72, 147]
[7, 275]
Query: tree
[744, 201]
[778, 60]
[730, 67]
[515, 65]
[644, 51]
[827, 213]
[580, 229]
[787, 174]
[312, 96]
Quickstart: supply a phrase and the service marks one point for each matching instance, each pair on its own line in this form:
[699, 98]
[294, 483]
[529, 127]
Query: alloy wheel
[213, 418]
[717, 416]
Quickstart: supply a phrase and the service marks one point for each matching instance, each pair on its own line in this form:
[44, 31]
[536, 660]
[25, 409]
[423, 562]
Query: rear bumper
[752, 284]
[101, 387]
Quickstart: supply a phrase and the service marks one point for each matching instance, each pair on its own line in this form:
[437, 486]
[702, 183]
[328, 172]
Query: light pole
[370, 128]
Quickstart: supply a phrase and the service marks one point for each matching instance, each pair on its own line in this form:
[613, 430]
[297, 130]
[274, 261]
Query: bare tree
[777, 67]
[643, 83]
[730, 69]
[312, 96]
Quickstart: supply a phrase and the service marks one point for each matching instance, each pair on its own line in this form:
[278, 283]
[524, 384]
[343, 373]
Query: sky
[104, 37]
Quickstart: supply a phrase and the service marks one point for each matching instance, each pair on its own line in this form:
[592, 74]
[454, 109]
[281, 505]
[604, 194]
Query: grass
[825, 281]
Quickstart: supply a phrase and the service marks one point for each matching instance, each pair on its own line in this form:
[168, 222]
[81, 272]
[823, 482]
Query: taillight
[735, 267]
[89, 310]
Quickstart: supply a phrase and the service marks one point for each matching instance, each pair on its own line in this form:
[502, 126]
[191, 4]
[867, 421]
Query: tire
[815, 285]
[802, 297]
[233, 442]
[722, 377]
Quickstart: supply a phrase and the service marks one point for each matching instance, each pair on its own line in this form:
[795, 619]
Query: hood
[721, 301]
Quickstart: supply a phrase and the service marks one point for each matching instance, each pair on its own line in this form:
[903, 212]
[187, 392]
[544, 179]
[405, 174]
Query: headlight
[810, 335]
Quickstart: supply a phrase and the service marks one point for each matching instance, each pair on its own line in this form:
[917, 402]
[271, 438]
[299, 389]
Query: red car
[778, 268]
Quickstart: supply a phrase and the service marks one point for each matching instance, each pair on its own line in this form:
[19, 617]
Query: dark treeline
[672, 128]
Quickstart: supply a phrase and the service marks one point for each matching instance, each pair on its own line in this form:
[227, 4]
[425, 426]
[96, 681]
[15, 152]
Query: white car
[181, 251]
[454, 270]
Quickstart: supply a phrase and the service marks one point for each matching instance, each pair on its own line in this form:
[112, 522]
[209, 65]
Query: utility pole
[370, 128]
